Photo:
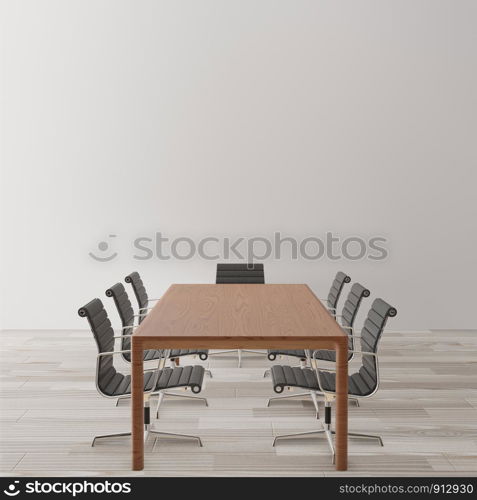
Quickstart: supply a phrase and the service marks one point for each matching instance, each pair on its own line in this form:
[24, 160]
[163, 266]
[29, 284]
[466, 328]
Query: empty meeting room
[238, 241]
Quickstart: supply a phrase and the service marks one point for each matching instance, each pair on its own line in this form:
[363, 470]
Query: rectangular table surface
[239, 316]
[216, 316]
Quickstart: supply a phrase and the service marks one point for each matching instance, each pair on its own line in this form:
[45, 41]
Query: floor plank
[425, 410]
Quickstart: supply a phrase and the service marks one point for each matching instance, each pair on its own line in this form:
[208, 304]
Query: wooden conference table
[239, 317]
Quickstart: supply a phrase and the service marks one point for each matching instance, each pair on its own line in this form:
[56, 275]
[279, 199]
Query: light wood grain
[50, 410]
[241, 316]
[238, 316]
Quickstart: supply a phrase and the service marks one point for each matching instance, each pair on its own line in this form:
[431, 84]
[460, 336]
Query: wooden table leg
[137, 405]
[341, 406]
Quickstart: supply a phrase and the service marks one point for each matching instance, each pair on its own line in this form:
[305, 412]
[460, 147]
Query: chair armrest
[127, 327]
[110, 353]
[318, 369]
[365, 353]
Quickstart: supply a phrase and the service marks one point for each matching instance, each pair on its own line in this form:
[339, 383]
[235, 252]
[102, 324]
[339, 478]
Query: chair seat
[202, 353]
[305, 378]
[323, 355]
[273, 353]
[152, 354]
[293, 376]
[169, 378]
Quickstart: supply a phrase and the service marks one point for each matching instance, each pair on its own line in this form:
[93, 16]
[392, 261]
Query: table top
[236, 315]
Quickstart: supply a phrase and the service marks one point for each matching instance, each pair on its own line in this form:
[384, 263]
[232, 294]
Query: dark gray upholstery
[296, 353]
[361, 383]
[336, 289]
[126, 313]
[349, 313]
[139, 291]
[240, 273]
[112, 383]
[142, 299]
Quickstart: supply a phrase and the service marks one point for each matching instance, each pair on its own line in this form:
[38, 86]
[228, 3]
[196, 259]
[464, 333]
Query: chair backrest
[139, 290]
[351, 308]
[352, 304]
[370, 335]
[240, 273]
[336, 289]
[107, 377]
[126, 313]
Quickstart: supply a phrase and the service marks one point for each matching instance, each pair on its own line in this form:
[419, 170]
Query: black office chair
[112, 383]
[239, 274]
[144, 301]
[126, 313]
[142, 298]
[331, 302]
[363, 383]
[347, 319]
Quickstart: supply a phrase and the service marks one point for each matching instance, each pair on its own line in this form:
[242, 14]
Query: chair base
[174, 435]
[239, 353]
[176, 395]
[146, 434]
[306, 394]
[106, 436]
[299, 394]
[328, 433]
[324, 431]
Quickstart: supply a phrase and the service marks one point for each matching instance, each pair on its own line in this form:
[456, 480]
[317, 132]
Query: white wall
[238, 118]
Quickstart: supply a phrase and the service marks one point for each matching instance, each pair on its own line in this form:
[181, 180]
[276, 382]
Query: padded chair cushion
[152, 354]
[293, 376]
[139, 291]
[240, 273]
[177, 353]
[357, 384]
[169, 378]
[336, 289]
[305, 378]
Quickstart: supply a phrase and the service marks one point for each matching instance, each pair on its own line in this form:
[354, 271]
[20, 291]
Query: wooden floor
[425, 410]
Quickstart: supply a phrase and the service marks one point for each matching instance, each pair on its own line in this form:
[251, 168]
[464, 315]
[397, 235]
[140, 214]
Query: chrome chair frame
[147, 394]
[330, 397]
[162, 393]
[314, 394]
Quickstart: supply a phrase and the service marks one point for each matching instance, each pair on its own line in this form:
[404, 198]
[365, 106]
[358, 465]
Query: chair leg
[315, 402]
[177, 395]
[172, 434]
[239, 358]
[122, 398]
[287, 396]
[326, 431]
[105, 436]
[297, 434]
[159, 402]
[148, 430]
[364, 436]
